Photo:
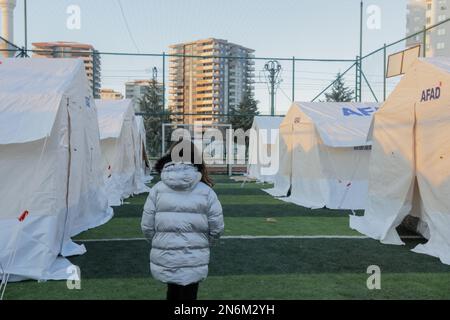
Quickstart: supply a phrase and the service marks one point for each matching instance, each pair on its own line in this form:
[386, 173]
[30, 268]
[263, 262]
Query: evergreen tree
[152, 104]
[339, 92]
[241, 117]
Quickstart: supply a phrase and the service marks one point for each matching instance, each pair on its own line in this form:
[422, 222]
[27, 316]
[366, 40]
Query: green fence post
[164, 80]
[293, 79]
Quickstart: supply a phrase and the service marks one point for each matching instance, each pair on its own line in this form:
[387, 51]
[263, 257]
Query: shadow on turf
[247, 210]
[123, 259]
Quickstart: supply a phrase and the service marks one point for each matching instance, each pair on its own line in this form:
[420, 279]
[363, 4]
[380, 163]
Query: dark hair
[195, 155]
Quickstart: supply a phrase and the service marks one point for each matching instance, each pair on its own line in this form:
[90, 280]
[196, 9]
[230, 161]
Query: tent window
[362, 148]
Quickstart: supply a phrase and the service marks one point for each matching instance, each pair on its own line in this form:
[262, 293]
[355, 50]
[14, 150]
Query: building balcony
[204, 95]
[210, 60]
[204, 103]
[201, 68]
[176, 91]
[175, 77]
[175, 60]
[175, 72]
[210, 54]
[179, 50]
[202, 75]
[175, 65]
[204, 81]
[204, 107]
[213, 46]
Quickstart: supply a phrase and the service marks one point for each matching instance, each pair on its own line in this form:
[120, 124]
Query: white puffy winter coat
[181, 216]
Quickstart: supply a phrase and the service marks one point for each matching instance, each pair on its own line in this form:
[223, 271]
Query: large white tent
[324, 154]
[410, 161]
[51, 180]
[120, 142]
[263, 137]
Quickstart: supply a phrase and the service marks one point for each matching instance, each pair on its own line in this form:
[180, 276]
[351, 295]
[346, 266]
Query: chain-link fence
[207, 83]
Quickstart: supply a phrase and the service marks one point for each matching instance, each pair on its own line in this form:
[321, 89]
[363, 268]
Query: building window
[441, 17]
[441, 32]
[440, 45]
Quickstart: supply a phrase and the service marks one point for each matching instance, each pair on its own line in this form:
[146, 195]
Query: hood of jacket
[180, 176]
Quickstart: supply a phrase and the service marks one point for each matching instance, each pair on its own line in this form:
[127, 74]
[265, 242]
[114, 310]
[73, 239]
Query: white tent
[324, 154]
[120, 143]
[49, 166]
[263, 137]
[410, 161]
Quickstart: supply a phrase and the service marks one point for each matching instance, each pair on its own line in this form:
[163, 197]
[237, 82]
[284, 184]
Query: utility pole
[25, 18]
[273, 68]
[164, 81]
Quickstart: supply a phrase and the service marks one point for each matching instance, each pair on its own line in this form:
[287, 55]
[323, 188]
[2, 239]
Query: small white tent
[324, 154]
[120, 142]
[50, 172]
[263, 137]
[410, 161]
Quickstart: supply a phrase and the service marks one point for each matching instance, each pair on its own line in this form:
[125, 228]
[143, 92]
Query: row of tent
[65, 159]
[392, 160]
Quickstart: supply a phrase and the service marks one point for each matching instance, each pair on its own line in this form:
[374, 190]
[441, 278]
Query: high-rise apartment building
[7, 26]
[425, 13]
[136, 89]
[110, 94]
[61, 49]
[203, 84]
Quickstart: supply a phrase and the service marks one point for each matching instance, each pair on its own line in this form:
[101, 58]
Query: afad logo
[431, 93]
[360, 112]
[87, 101]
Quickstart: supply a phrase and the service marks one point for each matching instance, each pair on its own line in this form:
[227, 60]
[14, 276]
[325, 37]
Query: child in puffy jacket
[182, 216]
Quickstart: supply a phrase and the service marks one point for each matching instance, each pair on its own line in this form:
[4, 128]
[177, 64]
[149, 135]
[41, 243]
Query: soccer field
[271, 250]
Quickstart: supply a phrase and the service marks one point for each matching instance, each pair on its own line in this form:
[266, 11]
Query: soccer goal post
[214, 141]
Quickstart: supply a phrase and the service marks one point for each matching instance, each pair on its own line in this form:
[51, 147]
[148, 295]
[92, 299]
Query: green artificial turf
[258, 269]
[252, 268]
[247, 211]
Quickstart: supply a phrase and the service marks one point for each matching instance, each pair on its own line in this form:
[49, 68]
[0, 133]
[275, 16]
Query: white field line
[243, 237]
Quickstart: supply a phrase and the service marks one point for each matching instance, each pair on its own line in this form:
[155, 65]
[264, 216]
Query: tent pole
[384, 72]
[424, 50]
